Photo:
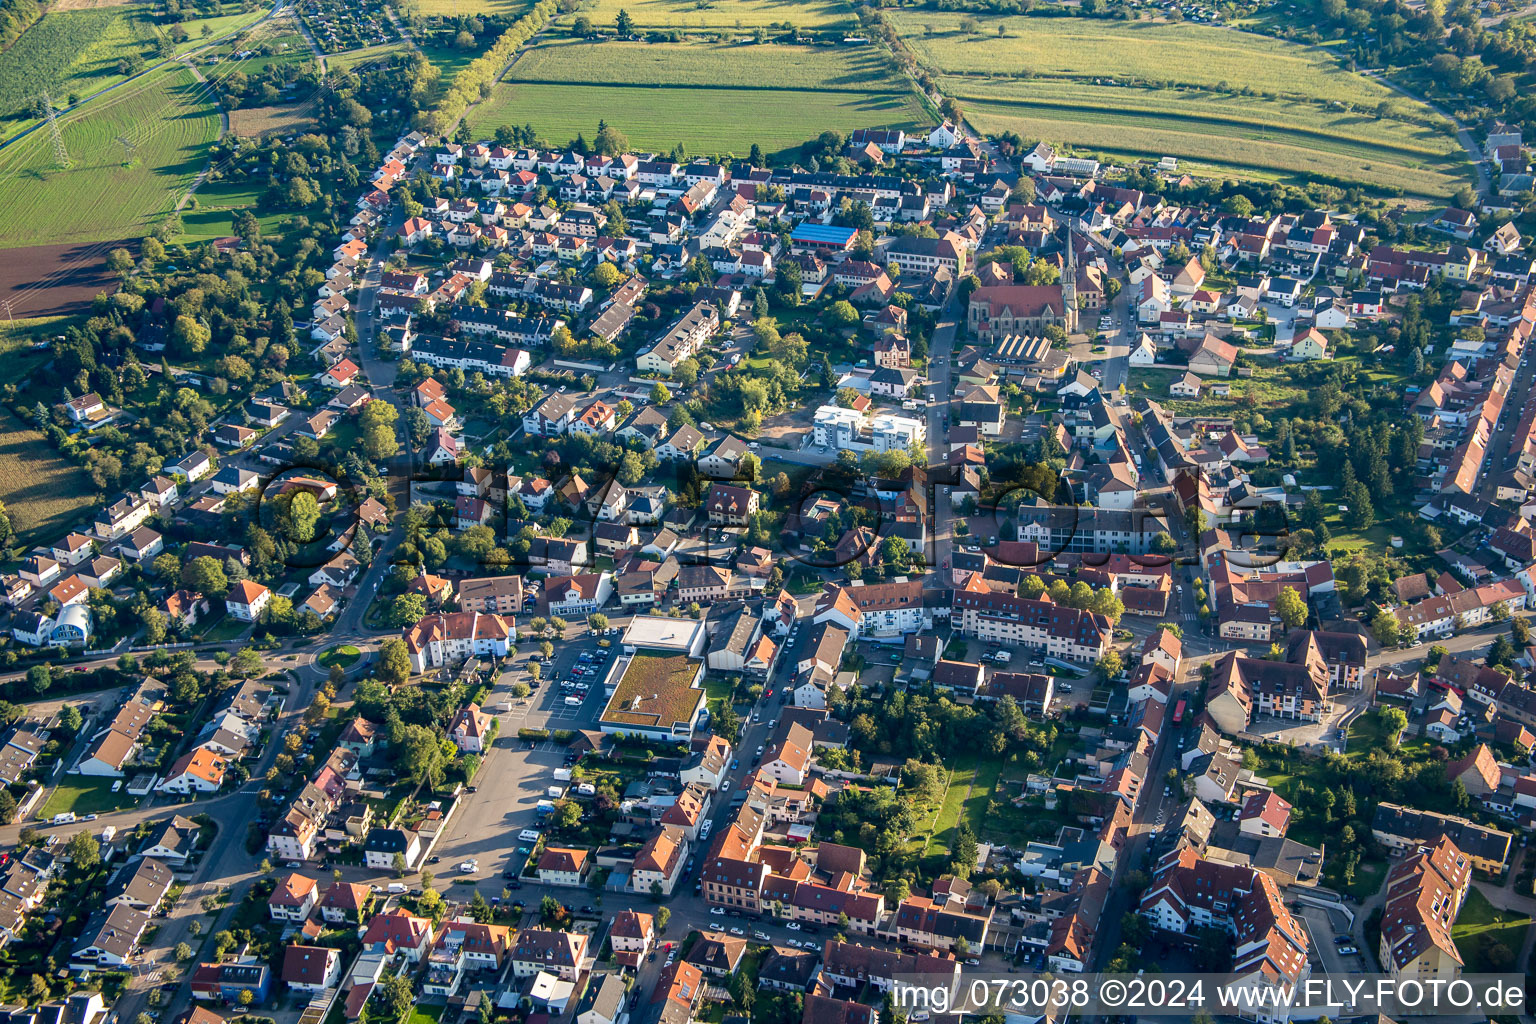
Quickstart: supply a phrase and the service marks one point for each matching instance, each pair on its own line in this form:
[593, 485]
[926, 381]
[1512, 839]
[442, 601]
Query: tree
[303, 517]
[1110, 664]
[39, 678]
[204, 575]
[394, 661]
[120, 261]
[1292, 608]
[479, 909]
[660, 395]
[606, 275]
[597, 620]
[1384, 628]
[743, 991]
[84, 851]
[408, 609]
[395, 998]
[182, 952]
[624, 24]
[190, 336]
[662, 916]
[422, 754]
[246, 663]
[400, 865]
[962, 854]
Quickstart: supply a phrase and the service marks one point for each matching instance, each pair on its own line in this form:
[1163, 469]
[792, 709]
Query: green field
[1224, 102]
[775, 96]
[73, 54]
[367, 55]
[42, 492]
[458, 8]
[214, 216]
[1145, 52]
[702, 15]
[69, 53]
[166, 117]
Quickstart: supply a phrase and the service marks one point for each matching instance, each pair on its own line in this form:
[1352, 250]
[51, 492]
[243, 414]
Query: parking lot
[562, 678]
[1326, 928]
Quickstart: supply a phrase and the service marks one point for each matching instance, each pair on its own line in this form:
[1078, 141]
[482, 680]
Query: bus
[1178, 712]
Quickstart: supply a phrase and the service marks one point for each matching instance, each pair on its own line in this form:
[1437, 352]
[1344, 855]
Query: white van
[528, 835]
[573, 702]
[398, 888]
[62, 819]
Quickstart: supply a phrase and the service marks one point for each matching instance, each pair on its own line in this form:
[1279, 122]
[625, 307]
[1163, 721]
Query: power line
[60, 154]
[128, 149]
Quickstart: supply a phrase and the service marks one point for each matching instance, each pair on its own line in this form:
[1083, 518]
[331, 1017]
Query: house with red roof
[294, 898]
[1265, 814]
[399, 931]
[341, 374]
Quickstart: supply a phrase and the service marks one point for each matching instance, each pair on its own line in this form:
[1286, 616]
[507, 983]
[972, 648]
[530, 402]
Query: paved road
[940, 349]
[1500, 457]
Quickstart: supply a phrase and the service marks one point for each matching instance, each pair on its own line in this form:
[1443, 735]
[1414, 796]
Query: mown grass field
[659, 94]
[217, 206]
[712, 15]
[168, 119]
[42, 492]
[254, 122]
[1225, 102]
[368, 54]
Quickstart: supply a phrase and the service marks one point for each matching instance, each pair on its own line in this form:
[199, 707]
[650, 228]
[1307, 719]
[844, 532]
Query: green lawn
[953, 808]
[226, 629]
[84, 796]
[1480, 928]
[1272, 388]
[1366, 733]
[345, 655]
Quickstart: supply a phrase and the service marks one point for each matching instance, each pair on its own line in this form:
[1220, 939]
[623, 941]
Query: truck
[563, 774]
[528, 835]
[64, 818]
